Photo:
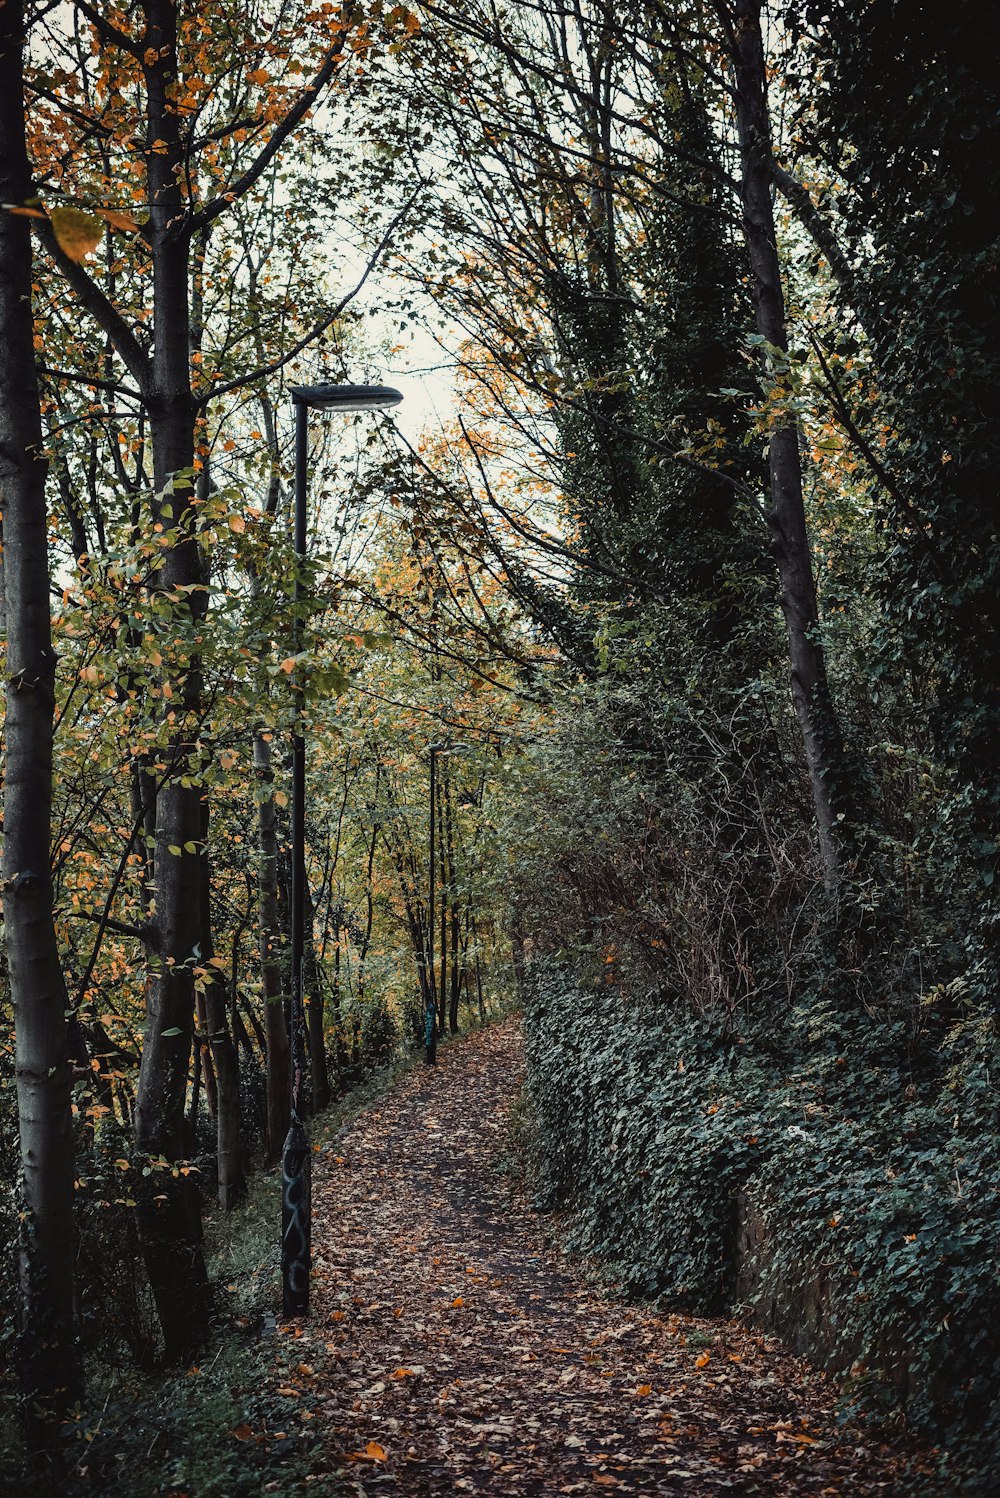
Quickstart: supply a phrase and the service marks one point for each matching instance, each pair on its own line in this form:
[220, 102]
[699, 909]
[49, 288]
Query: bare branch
[306, 100]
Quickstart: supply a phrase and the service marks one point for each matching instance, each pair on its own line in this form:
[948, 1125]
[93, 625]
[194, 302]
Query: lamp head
[346, 397]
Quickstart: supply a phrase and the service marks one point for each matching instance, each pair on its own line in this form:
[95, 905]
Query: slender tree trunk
[201, 1047]
[275, 1025]
[810, 689]
[225, 1061]
[192, 1139]
[451, 911]
[479, 990]
[49, 1367]
[442, 843]
[232, 1181]
[244, 1015]
[366, 939]
[319, 1075]
[170, 1216]
[457, 968]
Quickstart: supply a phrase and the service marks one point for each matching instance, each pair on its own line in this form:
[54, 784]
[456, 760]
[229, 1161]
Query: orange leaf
[703, 1361]
[403, 1373]
[77, 232]
[288, 665]
[374, 1450]
[458, 1301]
[644, 1389]
[24, 211]
[118, 220]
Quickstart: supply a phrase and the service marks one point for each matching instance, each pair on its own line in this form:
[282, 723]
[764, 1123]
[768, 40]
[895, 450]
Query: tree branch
[320, 327]
[107, 923]
[820, 232]
[217, 206]
[108, 319]
[109, 35]
[112, 386]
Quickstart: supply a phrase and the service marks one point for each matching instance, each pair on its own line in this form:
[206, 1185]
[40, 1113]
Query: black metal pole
[430, 998]
[296, 1213]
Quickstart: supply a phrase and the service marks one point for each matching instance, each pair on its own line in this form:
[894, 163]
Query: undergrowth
[218, 1428]
[874, 1197]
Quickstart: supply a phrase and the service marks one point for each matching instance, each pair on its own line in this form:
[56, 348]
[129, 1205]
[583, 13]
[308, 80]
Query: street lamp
[296, 1205]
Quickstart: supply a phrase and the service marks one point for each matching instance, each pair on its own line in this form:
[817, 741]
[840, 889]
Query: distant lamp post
[296, 1205]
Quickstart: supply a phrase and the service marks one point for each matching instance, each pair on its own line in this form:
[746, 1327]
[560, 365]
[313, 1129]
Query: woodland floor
[452, 1348]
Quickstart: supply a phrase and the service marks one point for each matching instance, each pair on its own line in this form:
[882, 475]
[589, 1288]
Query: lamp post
[296, 1205]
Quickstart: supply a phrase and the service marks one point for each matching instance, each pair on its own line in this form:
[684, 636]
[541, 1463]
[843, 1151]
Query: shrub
[877, 1195]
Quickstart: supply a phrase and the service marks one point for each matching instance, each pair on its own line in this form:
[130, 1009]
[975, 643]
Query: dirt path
[452, 1351]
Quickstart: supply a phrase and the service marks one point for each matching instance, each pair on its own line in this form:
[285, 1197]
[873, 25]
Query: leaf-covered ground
[453, 1349]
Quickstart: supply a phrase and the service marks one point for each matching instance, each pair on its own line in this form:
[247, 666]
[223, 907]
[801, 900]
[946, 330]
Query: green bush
[652, 1126]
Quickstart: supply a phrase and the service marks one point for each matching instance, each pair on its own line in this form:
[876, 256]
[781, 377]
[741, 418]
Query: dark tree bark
[205, 1055]
[221, 1049]
[319, 1074]
[169, 1217]
[275, 1025]
[790, 540]
[170, 1229]
[457, 968]
[49, 1368]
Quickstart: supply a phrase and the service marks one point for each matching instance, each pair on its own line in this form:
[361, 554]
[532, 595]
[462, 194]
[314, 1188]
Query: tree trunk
[169, 1215]
[226, 1063]
[445, 890]
[457, 968]
[790, 541]
[275, 1026]
[49, 1367]
[366, 939]
[193, 1105]
[319, 1076]
[201, 1048]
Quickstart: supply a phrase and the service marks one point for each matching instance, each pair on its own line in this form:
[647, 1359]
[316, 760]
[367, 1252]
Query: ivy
[659, 1134]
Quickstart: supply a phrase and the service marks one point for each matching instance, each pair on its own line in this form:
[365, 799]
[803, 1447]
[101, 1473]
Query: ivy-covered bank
[854, 1215]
